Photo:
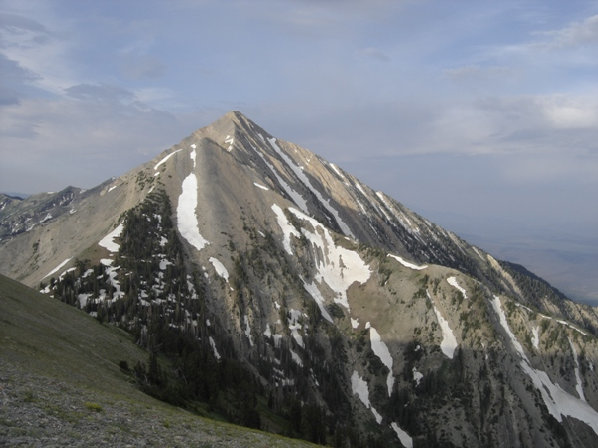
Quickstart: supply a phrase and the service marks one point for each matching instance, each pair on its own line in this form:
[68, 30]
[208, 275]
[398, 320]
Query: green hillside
[61, 384]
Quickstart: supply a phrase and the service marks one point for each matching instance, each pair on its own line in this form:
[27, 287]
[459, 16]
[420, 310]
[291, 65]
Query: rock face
[349, 312]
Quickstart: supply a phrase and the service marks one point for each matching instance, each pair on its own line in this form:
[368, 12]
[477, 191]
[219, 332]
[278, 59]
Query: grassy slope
[60, 384]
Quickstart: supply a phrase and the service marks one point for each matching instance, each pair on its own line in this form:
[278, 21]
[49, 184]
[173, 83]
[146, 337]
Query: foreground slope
[60, 385]
[357, 320]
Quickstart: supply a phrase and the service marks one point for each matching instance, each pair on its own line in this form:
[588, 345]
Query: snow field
[536, 337]
[165, 158]
[578, 385]
[360, 388]
[303, 178]
[57, 268]
[186, 217]
[449, 341]
[287, 228]
[408, 264]
[315, 293]
[339, 267]
[558, 401]
[454, 283]
[295, 197]
[213, 344]
[220, 268]
[296, 358]
[417, 376]
[381, 351]
[260, 186]
[404, 438]
[294, 327]
[337, 171]
[108, 241]
[230, 141]
[248, 330]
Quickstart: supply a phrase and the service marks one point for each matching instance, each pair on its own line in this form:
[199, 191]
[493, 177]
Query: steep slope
[354, 317]
[61, 385]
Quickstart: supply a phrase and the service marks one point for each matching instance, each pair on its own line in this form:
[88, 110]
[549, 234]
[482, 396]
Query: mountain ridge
[324, 289]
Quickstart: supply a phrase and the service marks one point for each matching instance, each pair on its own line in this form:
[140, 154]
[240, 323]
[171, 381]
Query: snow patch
[186, 217]
[338, 267]
[165, 158]
[453, 282]
[449, 341]
[381, 351]
[337, 171]
[295, 197]
[164, 263]
[567, 324]
[57, 268]
[303, 178]
[193, 156]
[287, 228]
[404, 438]
[112, 188]
[558, 401]
[294, 326]
[296, 358]
[408, 264]
[108, 240]
[355, 323]
[313, 290]
[82, 299]
[360, 388]
[267, 332]
[579, 385]
[377, 416]
[417, 376]
[536, 337]
[213, 344]
[231, 141]
[248, 330]
[220, 268]
[261, 186]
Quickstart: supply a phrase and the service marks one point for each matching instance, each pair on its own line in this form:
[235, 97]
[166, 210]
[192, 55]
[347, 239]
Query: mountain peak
[325, 292]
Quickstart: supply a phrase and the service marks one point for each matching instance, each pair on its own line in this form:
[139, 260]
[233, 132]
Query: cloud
[100, 92]
[81, 140]
[37, 50]
[15, 81]
[573, 35]
[568, 40]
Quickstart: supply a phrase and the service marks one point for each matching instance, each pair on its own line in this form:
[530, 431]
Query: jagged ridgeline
[273, 289]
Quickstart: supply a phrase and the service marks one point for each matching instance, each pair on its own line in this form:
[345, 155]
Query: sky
[480, 115]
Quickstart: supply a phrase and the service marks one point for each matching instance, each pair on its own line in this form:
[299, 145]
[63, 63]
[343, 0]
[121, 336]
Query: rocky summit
[273, 289]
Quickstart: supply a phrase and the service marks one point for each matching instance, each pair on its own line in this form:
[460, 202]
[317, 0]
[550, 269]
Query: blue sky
[481, 115]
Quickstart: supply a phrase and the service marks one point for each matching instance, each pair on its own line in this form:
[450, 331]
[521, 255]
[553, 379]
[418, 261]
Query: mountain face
[294, 298]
